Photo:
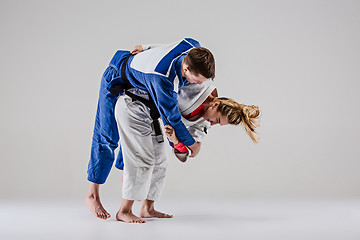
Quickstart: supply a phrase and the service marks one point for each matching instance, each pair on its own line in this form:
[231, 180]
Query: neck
[209, 99]
[207, 102]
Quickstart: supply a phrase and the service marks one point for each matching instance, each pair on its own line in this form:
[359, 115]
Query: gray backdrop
[297, 60]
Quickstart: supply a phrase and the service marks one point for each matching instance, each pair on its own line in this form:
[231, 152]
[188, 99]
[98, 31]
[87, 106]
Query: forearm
[183, 133]
[165, 99]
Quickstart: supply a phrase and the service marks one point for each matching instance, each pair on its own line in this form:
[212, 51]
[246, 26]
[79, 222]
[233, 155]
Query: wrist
[191, 146]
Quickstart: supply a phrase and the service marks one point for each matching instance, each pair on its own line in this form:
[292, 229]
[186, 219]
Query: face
[213, 116]
[197, 79]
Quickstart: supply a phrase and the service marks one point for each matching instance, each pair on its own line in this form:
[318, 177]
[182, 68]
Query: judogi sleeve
[162, 91]
[198, 131]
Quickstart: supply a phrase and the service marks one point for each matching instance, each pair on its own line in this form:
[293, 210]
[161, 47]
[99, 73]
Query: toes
[164, 215]
[102, 215]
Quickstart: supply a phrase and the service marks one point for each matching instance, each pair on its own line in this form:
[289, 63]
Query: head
[226, 111]
[198, 65]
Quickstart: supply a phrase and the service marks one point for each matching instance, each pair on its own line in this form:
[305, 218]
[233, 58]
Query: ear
[185, 67]
[216, 104]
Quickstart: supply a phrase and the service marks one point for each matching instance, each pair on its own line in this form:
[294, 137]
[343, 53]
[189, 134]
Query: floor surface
[247, 219]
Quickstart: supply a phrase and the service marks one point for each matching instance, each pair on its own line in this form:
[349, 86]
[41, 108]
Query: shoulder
[158, 60]
[192, 41]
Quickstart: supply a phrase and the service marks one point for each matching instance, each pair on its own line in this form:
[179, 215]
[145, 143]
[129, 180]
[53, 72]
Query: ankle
[146, 208]
[125, 211]
[93, 196]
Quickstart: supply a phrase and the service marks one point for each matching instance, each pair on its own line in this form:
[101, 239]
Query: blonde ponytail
[236, 113]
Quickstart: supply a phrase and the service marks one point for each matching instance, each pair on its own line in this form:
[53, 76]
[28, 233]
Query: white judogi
[145, 160]
[190, 97]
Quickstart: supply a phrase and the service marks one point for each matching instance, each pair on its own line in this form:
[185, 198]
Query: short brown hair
[201, 61]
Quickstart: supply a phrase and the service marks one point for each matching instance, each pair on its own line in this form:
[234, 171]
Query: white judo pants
[145, 160]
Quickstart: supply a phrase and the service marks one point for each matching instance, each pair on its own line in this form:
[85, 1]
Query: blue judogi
[157, 71]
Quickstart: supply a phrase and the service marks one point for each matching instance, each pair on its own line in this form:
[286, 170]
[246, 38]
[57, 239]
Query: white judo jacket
[190, 97]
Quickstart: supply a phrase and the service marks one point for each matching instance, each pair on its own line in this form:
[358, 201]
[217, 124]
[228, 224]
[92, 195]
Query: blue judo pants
[106, 136]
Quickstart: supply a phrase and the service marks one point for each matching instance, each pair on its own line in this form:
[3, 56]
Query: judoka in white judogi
[145, 159]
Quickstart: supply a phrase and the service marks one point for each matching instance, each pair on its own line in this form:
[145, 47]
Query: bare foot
[96, 207]
[128, 217]
[153, 213]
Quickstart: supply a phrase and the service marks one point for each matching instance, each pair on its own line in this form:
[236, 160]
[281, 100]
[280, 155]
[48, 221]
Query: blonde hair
[236, 114]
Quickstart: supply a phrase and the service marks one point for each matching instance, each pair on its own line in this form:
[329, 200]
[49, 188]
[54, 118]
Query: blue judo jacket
[158, 71]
